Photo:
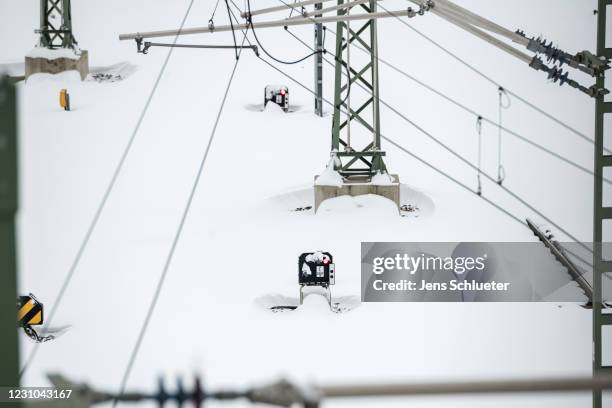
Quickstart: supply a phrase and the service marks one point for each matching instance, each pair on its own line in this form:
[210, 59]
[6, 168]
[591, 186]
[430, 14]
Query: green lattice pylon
[357, 156]
[56, 24]
[9, 344]
[601, 220]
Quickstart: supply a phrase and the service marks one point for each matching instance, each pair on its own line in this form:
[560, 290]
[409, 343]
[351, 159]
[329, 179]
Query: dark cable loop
[250, 24]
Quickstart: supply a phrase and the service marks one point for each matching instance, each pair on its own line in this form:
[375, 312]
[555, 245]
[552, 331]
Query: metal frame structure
[318, 63]
[601, 213]
[9, 344]
[366, 160]
[52, 34]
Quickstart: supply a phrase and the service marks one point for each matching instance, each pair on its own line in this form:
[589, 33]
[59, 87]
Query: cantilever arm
[583, 61]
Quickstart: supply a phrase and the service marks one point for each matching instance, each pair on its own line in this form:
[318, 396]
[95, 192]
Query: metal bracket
[142, 47]
[328, 294]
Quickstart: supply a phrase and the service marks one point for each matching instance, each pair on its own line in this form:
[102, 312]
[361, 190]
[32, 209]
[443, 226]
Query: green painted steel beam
[9, 341]
[600, 213]
[367, 113]
[56, 24]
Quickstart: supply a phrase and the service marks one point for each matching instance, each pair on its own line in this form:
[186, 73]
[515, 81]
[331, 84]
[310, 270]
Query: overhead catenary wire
[494, 82]
[487, 120]
[431, 166]
[508, 191]
[176, 238]
[470, 164]
[421, 160]
[467, 109]
[107, 192]
[212, 16]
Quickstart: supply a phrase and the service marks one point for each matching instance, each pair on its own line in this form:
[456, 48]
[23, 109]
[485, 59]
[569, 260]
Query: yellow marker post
[64, 99]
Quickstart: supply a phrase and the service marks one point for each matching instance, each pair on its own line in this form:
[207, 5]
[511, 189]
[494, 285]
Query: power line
[177, 237]
[498, 85]
[431, 166]
[484, 118]
[212, 17]
[510, 192]
[467, 109]
[492, 81]
[458, 182]
[470, 164]
[106, 195]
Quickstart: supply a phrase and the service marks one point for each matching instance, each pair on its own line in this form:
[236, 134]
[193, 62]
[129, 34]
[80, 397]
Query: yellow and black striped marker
[29, 311]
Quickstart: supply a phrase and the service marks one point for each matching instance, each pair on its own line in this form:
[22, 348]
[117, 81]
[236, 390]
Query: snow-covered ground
[242, 237]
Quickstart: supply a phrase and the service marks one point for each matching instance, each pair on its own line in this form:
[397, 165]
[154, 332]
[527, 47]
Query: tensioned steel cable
[489, 121]
[436, 169]
[492, 81]
[107, 193]
[423, 161]
[176, 239]
[212, 17]
[469, 163]
[484, 118]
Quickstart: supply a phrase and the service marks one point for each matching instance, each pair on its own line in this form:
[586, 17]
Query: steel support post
[9, 345]
[318, 61]
[357, 160]
[601, 266]
[56, 24]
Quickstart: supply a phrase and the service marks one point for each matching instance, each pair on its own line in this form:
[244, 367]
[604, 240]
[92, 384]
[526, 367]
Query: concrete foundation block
[35, 65]
[358, 186]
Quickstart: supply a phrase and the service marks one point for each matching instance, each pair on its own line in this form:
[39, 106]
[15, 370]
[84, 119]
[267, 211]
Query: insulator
[162, 395]
[557, 75]
[180, 392]
[198, 393]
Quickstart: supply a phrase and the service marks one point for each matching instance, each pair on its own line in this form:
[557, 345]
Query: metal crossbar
[56, 34]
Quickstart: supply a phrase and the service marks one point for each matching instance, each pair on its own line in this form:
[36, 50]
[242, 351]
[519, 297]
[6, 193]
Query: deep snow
[260, 169]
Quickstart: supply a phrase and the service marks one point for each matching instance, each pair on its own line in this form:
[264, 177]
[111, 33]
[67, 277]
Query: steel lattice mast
[601, 214]
[56, 24]
[319, 46]
[368, 159]
[9, 369]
